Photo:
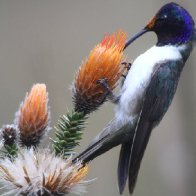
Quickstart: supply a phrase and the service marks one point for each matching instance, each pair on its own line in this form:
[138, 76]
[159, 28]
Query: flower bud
[33, 116]
[9, 134]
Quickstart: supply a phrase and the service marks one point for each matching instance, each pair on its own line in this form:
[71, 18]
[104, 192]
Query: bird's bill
[144, 30]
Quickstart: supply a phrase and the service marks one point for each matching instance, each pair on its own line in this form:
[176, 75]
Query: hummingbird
[147, 92]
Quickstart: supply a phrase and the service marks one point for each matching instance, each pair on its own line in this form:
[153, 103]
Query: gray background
[46, 41]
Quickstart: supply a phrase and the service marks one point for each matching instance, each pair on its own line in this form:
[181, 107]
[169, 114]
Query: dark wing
[159, 95]
[115, 133]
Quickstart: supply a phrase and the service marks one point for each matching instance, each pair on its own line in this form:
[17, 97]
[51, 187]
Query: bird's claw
[103, 82]
[127, 65]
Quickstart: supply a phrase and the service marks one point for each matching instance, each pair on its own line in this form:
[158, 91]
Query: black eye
[163, 17]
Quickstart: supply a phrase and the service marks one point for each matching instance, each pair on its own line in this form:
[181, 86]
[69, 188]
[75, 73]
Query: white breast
[139, 77]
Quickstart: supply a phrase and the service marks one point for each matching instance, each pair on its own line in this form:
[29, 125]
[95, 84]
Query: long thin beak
[144, 30]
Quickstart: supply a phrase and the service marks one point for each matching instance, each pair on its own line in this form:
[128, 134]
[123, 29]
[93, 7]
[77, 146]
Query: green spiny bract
[68, 132]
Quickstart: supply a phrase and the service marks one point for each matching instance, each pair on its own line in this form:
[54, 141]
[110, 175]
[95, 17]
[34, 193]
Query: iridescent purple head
[172, 24]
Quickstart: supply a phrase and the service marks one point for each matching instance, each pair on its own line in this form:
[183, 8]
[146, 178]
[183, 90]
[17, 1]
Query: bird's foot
[103, 82]
[127, 66]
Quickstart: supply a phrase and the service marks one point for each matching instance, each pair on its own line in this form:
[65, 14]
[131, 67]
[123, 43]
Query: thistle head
[32, 118]
[41, 173]
[9, 134]
[104, 61]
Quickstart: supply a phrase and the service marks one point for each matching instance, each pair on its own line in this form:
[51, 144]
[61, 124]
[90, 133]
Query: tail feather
[139, 145]
[123, 165]
[133, 174]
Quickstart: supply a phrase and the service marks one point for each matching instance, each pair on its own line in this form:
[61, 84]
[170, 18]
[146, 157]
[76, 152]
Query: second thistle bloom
[103, 62]
[33, 116]
[41, 173]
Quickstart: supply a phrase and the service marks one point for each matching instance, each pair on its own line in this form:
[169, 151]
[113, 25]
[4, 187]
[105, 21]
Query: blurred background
[46, 41]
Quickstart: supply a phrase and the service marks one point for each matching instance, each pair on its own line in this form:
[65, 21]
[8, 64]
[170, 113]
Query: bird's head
[172, 24]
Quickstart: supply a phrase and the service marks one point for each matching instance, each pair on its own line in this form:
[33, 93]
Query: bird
[146, 93]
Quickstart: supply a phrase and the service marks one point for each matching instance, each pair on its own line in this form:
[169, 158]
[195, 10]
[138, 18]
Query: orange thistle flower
[33, 116]
[103, 62]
